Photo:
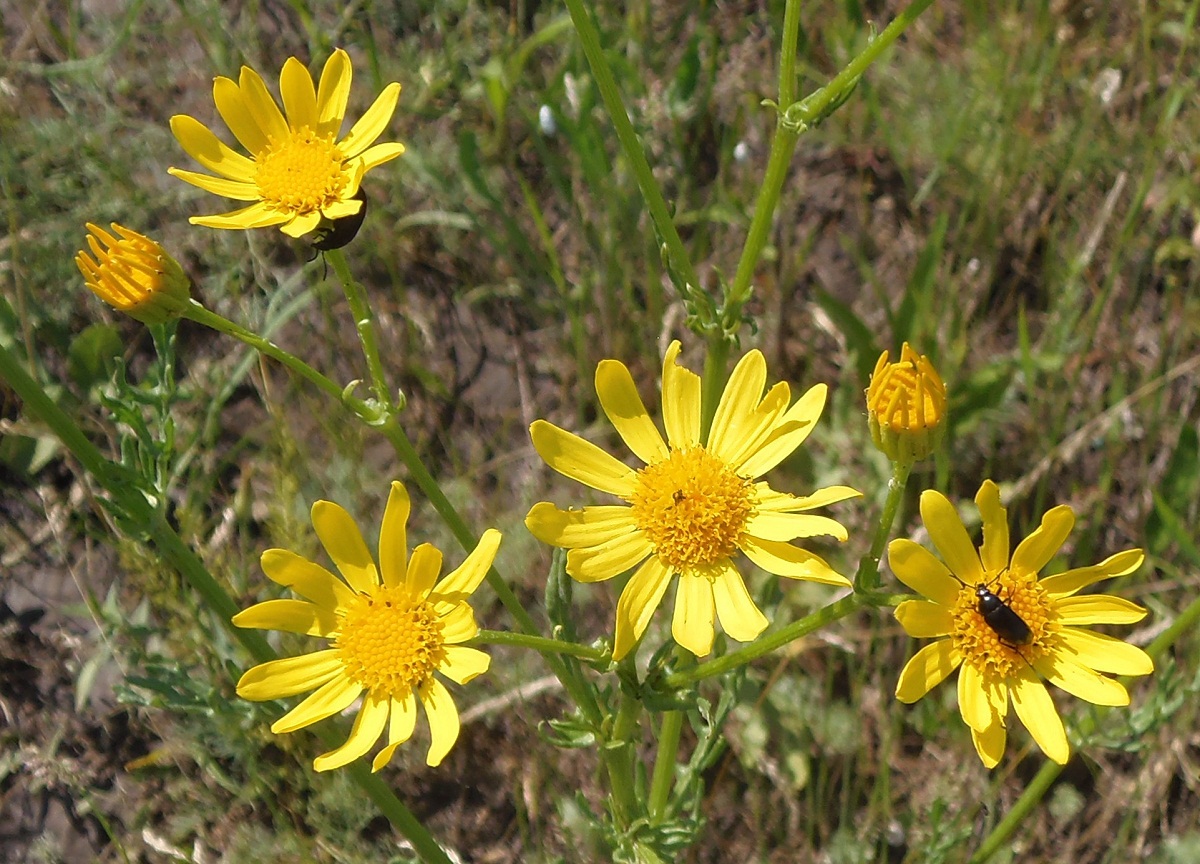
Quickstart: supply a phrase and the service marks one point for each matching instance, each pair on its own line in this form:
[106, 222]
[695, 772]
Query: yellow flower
[1004, 660]
[906, 404]
[694, 505]
[387, 637]
[298, 173]
[133, 274]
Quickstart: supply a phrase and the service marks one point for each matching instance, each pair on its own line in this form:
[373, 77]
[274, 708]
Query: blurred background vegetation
[1014, 188]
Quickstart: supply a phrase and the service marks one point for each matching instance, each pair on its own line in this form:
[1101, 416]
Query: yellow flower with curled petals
[906, 406]
[133, 274]
[694, 505]
[387, 636]
[298, 174]
[1002, 662]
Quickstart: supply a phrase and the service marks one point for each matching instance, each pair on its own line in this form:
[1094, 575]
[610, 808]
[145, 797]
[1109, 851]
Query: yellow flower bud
[906, 405]
[133, 274]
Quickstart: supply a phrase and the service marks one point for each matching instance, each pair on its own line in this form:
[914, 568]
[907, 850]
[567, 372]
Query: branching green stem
[540, 644]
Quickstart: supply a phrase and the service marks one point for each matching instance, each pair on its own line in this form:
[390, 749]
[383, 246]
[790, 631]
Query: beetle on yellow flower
[994, 669]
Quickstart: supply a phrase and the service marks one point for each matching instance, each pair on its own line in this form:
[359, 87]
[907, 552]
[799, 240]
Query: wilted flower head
[906, 404]
[133, 274]
[298, 174]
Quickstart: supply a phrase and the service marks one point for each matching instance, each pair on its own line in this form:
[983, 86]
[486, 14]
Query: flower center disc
[982, 646]
[692, 507]
[390, 642]
[302, 173]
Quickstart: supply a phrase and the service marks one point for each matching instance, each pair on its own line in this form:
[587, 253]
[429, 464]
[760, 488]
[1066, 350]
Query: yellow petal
[624, 407]
[291, 616]
[393, 536]
[740, 617]
[424, 567]
[458, 625]
[916, 567]
[1036, 710]
[207, 149]
[233, 110]
[680, 401]
[741, 396]
[401, 723]
[301, 224]
[692, 623]
[288, 676]
[597, 563]
[792, 562]
[1066, 584]
[1104, 653]
[927, 668]
[331, 698]
[641, 597]
[1082, 682]
[239, 190]
[299, 95]
[344, 544]
[380, 154]
[463, 664]
[371, 125]
[790, 526]
[994, 551]
[1036, 550]
[443, 720]
[261, 104]
[461, 583]
[781, 502]
[255, 216]
[950, 537]
[368, 726]
[755, 430]
[924, 620]
[333, 93]
[989, 744]
[581, 460]
[571, 529]
[341, 209]
[794, 428]
[309, 580]
[1098, 609]
[973, 702]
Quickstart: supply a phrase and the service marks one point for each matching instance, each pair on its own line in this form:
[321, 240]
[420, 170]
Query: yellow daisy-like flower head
[133, 274]
[906, 405]
[387, 636]
[694, 505]
[1008, 629]
[298, 174]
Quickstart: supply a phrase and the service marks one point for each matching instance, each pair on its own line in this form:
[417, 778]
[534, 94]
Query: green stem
[784, 144]
[119, 486]
[664, 765]
[867, 577]
[195, 312]
[618, 759]
[540, 644]
[767, 644]
[589, 38]
[364, 322]
[1048, 773]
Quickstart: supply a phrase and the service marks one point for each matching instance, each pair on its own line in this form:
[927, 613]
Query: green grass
[982, 195]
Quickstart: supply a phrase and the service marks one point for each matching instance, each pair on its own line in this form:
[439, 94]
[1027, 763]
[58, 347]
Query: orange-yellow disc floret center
[302, 173]
[693, 507]
[391, 641]
[988, 650]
